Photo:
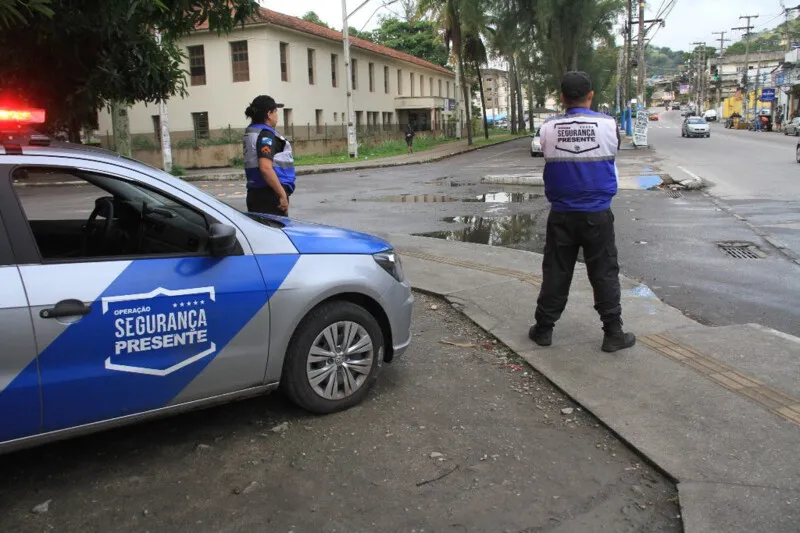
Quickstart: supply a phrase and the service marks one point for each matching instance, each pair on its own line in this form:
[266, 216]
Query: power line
[748, 32]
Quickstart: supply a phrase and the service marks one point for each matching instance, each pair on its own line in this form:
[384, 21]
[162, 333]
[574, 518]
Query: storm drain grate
[673, 193]
[741, 250]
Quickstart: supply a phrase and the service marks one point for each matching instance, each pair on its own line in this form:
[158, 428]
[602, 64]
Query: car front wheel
[797, 153]
[333, 358]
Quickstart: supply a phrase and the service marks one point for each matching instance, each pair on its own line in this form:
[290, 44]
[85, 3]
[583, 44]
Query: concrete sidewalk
[436, 153]
[718, 409]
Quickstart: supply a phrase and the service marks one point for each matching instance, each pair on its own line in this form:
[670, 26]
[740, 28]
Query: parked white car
[536, 144]
[710, 115]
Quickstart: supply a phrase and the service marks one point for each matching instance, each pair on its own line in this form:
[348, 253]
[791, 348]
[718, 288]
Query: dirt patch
[459, 435]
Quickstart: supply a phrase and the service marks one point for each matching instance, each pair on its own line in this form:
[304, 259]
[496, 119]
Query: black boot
[541, 335]
[616, 339]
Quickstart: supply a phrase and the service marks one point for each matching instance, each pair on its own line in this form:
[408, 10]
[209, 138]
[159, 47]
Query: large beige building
[301, 65]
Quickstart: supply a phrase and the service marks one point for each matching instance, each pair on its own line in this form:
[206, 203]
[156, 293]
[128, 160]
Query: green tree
[14, 12]
[475, 56]
[312, 17]
[101, 51]
[366, 35]
[418, 39]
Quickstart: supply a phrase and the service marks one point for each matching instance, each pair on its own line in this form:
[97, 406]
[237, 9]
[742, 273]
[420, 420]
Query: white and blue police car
[126, 293]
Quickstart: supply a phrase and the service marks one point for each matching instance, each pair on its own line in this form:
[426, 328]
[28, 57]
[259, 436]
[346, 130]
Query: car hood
[311, 238]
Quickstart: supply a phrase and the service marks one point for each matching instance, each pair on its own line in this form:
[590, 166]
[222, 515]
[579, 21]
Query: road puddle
[488, 198]
[510, 230]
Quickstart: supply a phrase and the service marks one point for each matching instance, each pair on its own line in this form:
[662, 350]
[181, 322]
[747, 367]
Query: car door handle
[66, 308]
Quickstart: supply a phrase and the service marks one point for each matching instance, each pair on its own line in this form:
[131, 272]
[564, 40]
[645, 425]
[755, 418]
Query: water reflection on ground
[518, 230]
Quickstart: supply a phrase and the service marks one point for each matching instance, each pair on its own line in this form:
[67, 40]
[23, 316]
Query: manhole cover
[673, 193]
[741, 250]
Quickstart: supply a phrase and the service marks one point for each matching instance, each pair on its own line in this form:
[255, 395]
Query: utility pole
[755, 89]
[722, 41]
[699, 73]
[163, 123]
[747, 34]
[640, 75]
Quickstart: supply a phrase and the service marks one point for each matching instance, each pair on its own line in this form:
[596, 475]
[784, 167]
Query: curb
[304, 171]
[761, 232]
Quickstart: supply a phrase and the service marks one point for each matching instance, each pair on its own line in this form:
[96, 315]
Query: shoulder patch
[266, 140]
[266, 150]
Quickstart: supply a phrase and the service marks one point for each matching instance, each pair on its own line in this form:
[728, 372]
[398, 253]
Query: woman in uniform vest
[268, 160]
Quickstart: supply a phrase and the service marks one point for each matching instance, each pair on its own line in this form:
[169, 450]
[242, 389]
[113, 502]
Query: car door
[122, 335]
[20, 401]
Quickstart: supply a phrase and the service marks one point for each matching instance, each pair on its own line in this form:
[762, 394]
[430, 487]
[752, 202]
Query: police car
[126, 293]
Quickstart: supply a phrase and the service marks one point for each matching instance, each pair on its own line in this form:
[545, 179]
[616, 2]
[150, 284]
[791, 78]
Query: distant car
[792, 127]
[653, 116]
[695, 127]
[536, 144]
[710, 115]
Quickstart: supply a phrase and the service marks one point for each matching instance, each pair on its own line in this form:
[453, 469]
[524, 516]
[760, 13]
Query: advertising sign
[684, 89]
[767, 95]
[640, 128]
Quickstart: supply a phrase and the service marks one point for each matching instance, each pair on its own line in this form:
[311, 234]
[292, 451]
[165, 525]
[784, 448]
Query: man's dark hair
[575, 87]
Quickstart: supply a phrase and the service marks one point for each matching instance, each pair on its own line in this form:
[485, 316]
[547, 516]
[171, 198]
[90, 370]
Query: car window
[78, 215]
[696, 121]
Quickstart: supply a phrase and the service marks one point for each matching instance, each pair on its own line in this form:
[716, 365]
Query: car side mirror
[221, 239]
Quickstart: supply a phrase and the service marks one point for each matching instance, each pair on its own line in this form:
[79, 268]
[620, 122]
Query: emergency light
[22, 116]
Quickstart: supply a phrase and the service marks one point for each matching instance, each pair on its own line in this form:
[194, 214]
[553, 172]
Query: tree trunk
[122, 129]
[512, 98]
[457, 98]
[520, 107]
[466, 92]
[530, 105]
[74, 131]
[483, 101]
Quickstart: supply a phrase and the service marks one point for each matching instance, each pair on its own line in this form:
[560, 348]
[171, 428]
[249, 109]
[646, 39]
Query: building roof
[267, 16]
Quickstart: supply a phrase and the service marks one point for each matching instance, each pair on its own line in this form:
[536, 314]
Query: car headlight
[391, 263]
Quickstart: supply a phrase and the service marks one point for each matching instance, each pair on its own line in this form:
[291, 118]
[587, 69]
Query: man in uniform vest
[580, 180]
[268, 160]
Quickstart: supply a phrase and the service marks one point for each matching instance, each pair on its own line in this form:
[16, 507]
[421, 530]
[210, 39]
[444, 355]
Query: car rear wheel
[797, 153]
[533, 154]
[333, 358]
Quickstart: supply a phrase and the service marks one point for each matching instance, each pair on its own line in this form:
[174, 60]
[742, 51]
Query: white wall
[225, 101]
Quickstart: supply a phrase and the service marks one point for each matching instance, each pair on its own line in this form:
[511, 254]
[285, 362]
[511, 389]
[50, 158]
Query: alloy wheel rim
[340, 360]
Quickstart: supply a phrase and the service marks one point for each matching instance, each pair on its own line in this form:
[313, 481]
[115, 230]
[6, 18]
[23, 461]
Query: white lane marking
[690, 173]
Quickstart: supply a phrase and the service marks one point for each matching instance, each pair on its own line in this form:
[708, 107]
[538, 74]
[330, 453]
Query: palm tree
[454, 16]
[475, 55]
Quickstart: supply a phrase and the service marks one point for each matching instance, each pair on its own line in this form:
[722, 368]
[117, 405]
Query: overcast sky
[689, 20]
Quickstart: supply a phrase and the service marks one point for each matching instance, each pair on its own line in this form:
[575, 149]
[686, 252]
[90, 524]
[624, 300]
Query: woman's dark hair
[256, 114]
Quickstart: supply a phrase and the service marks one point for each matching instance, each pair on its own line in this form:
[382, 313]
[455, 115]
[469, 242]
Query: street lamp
[352, 141]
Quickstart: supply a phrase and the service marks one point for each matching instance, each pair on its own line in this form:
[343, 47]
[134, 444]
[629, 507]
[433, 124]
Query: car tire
[533, 154]
[797, 153]
[683, 133]
[299, 368]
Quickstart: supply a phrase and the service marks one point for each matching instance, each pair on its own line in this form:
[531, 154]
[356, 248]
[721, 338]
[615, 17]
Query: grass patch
[391, 148]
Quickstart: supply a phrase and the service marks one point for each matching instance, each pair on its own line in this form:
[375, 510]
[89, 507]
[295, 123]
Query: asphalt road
[453, 438]
[755, 173]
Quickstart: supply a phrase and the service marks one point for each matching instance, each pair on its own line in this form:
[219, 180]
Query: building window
[440, 88]
[335, 117]
[157, 128]
[284, 47]
[287, 116]
[311, 61]
[411, 77]
[421, 85]
[399, 82]
[354, 74]
[430, 86]
[371, 71]
[241, 65]
[359, 118]
[386, 80]
[448, 89]
[389, 117]
[319, 120]
[197, 65]
[200, 121]
[334, 70]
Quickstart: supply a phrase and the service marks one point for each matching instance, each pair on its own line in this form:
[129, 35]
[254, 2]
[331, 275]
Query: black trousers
[264, 200]
[567, 232]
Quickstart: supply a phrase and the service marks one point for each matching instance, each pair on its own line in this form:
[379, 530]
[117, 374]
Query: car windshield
[696, 121]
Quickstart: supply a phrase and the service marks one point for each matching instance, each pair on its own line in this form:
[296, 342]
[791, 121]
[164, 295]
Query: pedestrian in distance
[410, 133]
[268, 159]
[580, 180]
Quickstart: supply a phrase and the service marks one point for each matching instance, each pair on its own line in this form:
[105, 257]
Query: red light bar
[22, 116]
